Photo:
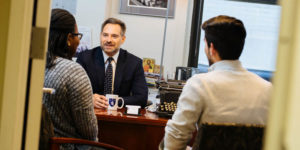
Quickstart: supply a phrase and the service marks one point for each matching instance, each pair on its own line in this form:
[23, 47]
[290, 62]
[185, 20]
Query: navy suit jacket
[130, 83]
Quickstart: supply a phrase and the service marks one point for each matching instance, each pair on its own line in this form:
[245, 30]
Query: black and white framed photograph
[148, 7]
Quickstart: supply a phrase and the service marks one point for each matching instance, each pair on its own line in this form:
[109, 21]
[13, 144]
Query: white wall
[91, 13]
[144, 33]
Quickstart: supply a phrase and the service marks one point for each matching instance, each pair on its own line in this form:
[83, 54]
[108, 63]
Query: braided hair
[62, 23]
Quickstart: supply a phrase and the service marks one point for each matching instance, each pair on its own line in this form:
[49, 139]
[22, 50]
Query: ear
[211, 49]
[69, 39]
[123, 39]
[214, 52]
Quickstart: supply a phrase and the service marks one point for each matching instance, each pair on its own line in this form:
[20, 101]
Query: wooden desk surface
[146, 117]
[129, 131]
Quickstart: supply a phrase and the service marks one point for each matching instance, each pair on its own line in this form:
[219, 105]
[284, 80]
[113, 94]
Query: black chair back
[229, 137]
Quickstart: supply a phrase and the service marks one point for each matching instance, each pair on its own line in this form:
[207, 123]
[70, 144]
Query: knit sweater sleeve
[80, 96]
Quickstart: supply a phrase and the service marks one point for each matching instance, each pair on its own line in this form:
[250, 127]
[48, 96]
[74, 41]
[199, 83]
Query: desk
[130, 132]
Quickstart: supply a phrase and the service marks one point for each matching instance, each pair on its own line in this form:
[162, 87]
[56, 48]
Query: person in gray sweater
[70, 107]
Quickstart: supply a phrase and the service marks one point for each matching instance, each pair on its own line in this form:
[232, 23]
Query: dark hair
[62, 23]
[114, 21]
[227, 35]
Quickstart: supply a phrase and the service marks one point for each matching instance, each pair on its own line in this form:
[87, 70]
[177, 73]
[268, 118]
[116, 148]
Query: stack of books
[152, 71]
[151, 78]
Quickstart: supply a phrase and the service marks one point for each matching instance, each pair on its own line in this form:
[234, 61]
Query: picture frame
[148, 64]
[157, 69]
[157, 8]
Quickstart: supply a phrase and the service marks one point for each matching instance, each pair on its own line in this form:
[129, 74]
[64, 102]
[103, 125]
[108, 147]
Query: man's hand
[100, 101]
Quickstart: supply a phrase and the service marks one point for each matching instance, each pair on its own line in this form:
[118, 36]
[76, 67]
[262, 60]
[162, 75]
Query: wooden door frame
[15, 29]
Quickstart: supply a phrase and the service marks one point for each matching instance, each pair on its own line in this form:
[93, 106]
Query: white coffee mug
[113, 101]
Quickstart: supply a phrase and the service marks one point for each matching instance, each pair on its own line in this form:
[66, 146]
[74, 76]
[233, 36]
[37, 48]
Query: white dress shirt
[114, 65]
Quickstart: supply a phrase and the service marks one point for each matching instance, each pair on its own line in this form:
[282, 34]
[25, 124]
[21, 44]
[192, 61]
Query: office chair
[229, 137]
[55, 142]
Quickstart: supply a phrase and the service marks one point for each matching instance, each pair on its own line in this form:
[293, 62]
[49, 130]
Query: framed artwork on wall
[156, 8]
[148, 64]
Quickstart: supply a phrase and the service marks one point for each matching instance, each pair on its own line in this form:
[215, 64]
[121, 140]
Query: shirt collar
[115, 57]
[227, 65]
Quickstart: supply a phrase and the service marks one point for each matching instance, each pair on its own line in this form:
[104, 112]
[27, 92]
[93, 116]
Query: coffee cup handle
[120, 98]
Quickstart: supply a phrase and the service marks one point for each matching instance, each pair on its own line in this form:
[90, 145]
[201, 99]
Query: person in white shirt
[228, 93]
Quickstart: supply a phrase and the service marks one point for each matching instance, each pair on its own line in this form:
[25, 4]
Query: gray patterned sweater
[70, 107]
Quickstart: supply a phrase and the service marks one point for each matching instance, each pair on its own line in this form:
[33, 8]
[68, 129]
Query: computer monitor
[184, 73]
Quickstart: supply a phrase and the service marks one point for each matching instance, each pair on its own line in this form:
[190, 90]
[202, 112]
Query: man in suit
[113, 70]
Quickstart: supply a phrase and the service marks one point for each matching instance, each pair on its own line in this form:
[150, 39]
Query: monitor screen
[262, 25]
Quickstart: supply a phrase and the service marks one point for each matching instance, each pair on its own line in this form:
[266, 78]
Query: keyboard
[168, 107]
[168, 103]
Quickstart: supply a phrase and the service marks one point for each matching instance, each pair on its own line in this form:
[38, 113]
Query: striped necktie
[108, 77]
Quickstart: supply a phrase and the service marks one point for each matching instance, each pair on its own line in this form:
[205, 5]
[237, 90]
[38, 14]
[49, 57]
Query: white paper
[133, 109]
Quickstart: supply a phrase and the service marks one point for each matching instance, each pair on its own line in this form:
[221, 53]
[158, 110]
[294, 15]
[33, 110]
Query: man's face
[210, 62]
[111, 39]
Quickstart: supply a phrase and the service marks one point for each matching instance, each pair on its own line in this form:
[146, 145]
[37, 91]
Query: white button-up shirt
[228, 93]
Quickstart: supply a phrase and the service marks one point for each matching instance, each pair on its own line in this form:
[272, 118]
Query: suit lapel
[119, 70]
[100, 67]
